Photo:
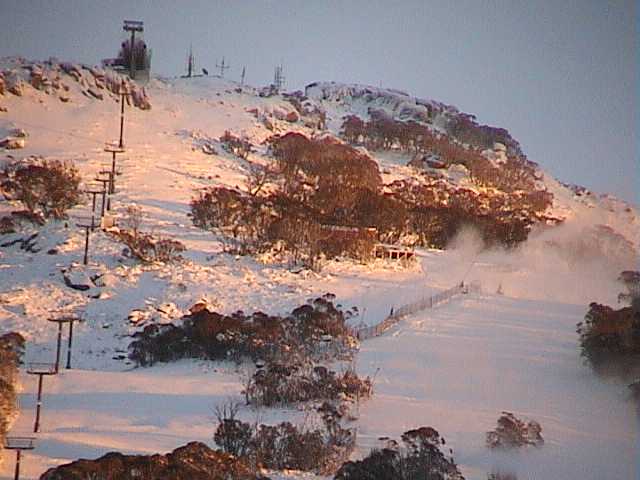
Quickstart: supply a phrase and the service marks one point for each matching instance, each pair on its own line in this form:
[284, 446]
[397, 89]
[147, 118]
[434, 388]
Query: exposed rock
[209, 149]
[48, 77]
[427, 161]
[36, 78]
[292, 117]
[499, 147]
[76, 279]
[12, 143]
[202, 305]
[104, 280]
[138, 316]
[14, 83]
[279, 113]
[95, 93]
[437, 164]
[268, 124]
[27, 216]
[72, 70]
[194, 461]
[19, 133]
[140, 99]
[7, 225]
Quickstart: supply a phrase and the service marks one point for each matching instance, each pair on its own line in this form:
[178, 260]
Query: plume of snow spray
[575, 263]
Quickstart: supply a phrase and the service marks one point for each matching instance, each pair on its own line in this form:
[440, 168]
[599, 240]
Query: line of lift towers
[102, 188]
[105, 180]
[134, 60]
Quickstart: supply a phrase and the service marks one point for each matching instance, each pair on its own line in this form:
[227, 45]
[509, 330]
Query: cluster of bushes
[286, 446]
[328, 200]
[610, 338]
[419, 457]
[11, 351]
[382, 132]
[47, 188]
[434, 212]
[279, 384]
[258, 336]
[512, 432]
[194, 461]
[318, 185]
[466, 129]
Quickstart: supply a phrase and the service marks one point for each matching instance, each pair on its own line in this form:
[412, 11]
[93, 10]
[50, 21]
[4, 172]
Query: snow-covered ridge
[361, 99]
[65, 80]
[397, 100]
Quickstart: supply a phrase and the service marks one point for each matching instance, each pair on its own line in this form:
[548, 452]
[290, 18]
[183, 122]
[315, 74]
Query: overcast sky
[561, 76]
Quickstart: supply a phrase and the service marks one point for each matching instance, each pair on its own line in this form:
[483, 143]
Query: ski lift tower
[134, 58]
[19, 444]
[133, 27]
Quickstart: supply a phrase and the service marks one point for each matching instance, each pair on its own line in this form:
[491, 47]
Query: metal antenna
[222, 66]
[190, 62]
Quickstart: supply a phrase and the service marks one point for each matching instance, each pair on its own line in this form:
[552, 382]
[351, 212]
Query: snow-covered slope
[166, 163]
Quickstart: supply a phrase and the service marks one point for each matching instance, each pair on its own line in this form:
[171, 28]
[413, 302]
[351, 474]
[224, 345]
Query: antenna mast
[278, 78]
[222, 66]
[190, 62]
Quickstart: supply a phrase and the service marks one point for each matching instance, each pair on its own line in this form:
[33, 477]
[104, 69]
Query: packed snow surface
[454, 368]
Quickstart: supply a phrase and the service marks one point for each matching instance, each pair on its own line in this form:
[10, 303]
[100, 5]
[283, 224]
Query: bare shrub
[232, 435]
[258, 176]
[132, 219]
[512, 432]
[144, 246]
[234, 215]
[7, 225]
[240, 147]
[44, 186]
[149, 249]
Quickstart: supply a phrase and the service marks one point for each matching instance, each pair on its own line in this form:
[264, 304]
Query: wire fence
[364, 333]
